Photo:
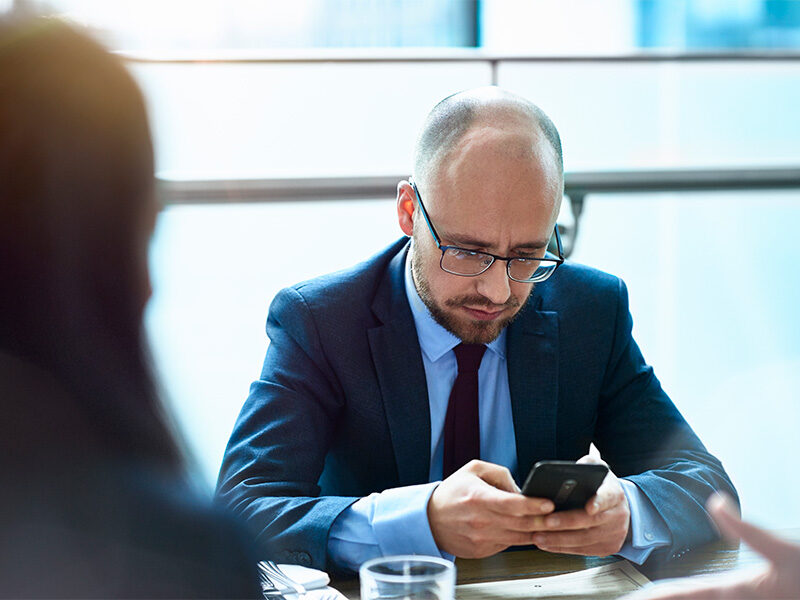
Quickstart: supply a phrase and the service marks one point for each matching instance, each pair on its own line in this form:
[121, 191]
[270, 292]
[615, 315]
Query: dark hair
[76, 195]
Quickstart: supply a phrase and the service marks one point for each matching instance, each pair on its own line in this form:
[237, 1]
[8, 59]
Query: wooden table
[523, 564]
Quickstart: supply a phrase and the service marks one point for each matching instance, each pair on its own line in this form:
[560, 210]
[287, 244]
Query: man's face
[497, 191]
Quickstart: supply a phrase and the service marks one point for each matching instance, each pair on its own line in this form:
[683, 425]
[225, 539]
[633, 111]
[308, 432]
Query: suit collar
[533, 383]
[398, 364]
[389, 301]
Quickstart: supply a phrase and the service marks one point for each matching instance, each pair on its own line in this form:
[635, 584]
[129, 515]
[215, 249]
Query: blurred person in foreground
[95, 500]
[778, 578]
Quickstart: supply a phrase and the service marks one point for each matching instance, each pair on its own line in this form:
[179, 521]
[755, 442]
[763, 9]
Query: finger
[724, 514]
[612, 526]
[601, 501]
[496, 475]
[557, 522]
[571, 520]
[519, 506]
[526, 523]
[608, 495]
[513, 504]
[516, 538]
[591, 460]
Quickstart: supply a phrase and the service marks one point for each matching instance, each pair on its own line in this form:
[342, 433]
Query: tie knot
[469, 357]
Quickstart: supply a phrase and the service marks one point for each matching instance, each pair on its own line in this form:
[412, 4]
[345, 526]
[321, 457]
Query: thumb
[725, 516]
[591, 459]
[499, 477]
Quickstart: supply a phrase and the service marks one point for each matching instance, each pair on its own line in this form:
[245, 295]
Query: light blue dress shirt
[395, 521]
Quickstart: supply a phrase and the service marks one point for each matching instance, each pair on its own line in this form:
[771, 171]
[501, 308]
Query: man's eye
[461, 253]
[531, 256]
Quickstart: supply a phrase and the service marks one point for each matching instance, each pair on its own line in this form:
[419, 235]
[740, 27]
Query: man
[384, 384]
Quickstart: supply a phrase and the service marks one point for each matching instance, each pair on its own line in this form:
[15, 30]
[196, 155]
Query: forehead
[501, 184]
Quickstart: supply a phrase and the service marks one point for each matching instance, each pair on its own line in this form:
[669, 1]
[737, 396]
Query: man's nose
[493, 284]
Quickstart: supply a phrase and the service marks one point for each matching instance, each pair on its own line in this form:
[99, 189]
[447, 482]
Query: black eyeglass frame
[556, 261]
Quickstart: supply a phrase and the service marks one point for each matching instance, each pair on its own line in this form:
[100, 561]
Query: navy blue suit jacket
[341, 407]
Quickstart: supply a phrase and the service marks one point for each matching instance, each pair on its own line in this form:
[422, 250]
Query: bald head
[487, 107]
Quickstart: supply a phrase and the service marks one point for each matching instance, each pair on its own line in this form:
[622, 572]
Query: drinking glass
[408, 578]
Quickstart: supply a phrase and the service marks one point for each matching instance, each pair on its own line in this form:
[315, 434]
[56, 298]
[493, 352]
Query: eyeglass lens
[464, 262]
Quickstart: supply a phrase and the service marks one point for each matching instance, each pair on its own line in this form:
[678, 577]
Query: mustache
[481, 303]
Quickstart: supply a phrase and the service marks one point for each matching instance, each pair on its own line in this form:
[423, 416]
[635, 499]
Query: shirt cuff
[648, 530]
[392, 522]
[401, 523]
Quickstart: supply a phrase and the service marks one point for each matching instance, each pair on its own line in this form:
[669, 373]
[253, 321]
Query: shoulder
[583, 296]
[577, 286]
[591, 307]
[350, 289]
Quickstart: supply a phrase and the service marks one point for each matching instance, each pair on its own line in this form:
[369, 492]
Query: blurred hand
[780, 578]
[478, 511]
[598, 529]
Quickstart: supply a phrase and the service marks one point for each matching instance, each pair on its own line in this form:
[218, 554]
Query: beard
[469, 331]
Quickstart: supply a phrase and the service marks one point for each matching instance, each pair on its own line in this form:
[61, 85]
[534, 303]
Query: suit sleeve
[644, 438]
[277, 450]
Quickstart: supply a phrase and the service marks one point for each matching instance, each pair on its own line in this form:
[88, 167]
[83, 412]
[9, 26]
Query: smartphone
[568, 484]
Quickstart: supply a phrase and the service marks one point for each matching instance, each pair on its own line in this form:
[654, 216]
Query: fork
[274, 574]
[268, 589]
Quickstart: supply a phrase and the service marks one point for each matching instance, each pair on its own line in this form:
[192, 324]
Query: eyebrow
[470, 241]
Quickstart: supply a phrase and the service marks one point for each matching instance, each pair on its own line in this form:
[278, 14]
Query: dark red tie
[462, 434]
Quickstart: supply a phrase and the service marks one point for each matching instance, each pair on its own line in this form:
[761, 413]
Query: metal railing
[457, 55]
[577, 185]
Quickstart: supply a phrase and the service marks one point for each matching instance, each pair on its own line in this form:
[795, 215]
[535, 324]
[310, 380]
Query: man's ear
[406, 205]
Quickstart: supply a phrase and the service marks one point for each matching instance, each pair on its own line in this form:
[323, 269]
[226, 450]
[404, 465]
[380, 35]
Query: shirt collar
[434, 339]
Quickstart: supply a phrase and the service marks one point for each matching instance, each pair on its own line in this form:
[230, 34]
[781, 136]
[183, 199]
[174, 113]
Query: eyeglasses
[469, 263]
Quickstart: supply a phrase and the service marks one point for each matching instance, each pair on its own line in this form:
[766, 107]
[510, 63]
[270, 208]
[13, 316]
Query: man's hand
[599, 529]
[780, 578]
[478, 511]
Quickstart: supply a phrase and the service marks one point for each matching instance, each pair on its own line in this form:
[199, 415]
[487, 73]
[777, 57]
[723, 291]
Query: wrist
[432, 512]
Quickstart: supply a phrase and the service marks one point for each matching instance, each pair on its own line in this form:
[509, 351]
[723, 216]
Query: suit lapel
[401, 375]
[532, 349]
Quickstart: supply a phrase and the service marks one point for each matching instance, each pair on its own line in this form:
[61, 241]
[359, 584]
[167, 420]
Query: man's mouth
[483, 314]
